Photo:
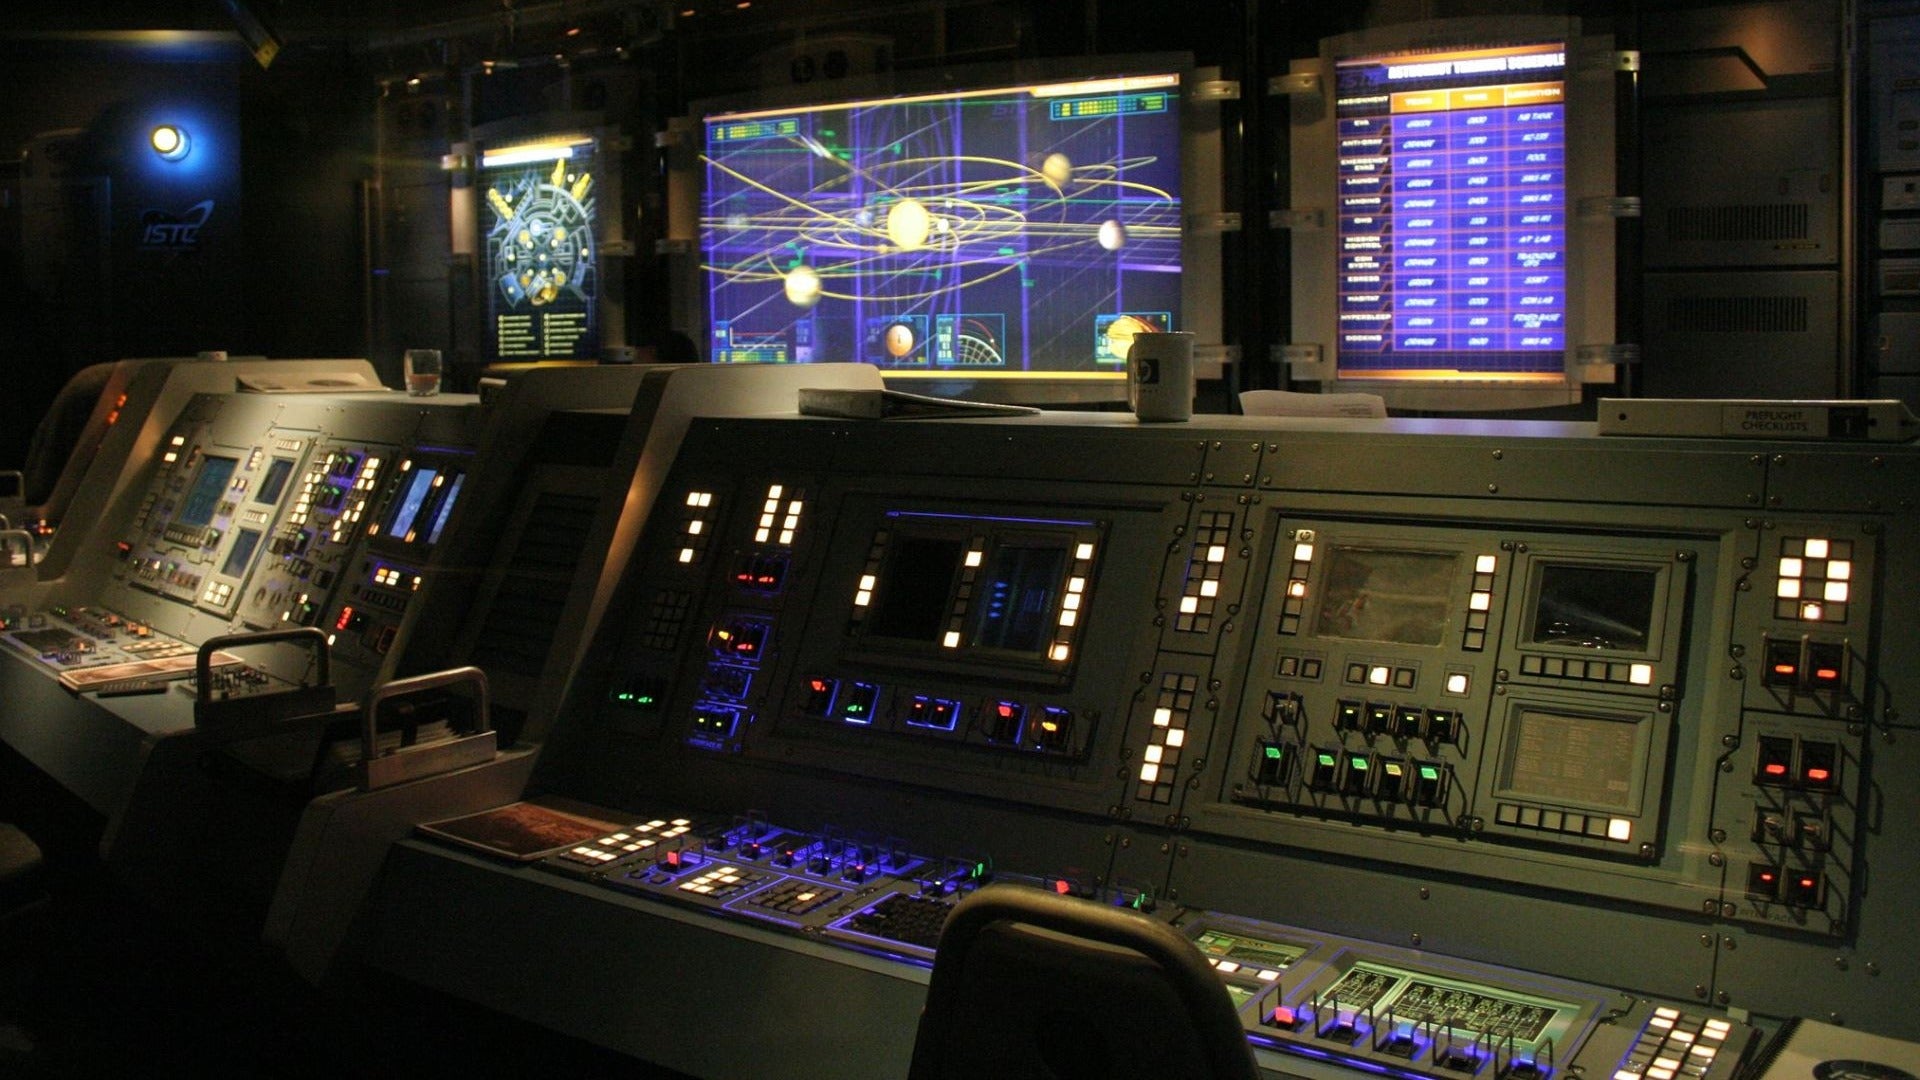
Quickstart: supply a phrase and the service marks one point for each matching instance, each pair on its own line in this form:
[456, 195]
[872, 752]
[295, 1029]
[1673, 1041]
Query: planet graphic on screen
[908, 224]
[1112, 234]
[899, 340]
[1121, 332]
[1057, 169]
[803, 286]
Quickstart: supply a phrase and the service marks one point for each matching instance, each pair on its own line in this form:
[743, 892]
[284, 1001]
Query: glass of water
[423, 372]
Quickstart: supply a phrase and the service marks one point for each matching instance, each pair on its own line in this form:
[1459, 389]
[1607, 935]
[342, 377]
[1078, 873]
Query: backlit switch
[1806, 888]
[1773, 763]
[1826, 665]
[1819, 768]
[1429, 783]
[1359, 779]
[1763, 882]
[1273, 762]
[1325, 765]
[1391, 784]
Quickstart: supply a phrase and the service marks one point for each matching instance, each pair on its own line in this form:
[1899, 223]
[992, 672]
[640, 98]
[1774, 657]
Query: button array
[1556, 667]
[1597, 826]
[1674, 1044]
[1235, 967]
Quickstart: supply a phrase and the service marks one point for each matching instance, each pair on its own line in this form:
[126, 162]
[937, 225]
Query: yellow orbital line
[782, 196]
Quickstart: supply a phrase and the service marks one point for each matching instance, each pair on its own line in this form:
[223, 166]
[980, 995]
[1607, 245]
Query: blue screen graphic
[1452, 214]
[1026, 232]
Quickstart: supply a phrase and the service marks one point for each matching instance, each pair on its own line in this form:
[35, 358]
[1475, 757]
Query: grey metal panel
[1859, 482]
[1896, 343]
[1749, 183]
[1744, 334]
[692, 993]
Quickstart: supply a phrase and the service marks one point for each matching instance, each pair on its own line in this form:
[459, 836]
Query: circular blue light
[169, 141]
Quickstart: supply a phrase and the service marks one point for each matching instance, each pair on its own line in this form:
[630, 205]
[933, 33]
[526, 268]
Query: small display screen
[204, 498]
[243, 544]
[412, 498]
[272, 484]
[911, 601]
[1595, 607]
[1248, 951]
[1565, 758]
[1395, 597]
[446, 509]
[1014, 606]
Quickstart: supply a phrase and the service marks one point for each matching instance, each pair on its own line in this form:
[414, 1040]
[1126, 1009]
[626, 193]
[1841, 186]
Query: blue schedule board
[1453, 214]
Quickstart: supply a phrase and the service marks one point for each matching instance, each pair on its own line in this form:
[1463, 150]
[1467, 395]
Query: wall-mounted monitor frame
[548, 235]
[1097, 213]
[1453, 214]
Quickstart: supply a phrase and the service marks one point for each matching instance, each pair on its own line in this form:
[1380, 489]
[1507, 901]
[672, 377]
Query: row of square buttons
[1556, 667]
[1598, 826]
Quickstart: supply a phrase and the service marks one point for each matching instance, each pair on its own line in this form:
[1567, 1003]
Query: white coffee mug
[1160, 376]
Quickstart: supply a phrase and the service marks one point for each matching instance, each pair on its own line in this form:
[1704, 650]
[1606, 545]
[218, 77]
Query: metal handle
[369, 736]
[25, 538]
[313, 636]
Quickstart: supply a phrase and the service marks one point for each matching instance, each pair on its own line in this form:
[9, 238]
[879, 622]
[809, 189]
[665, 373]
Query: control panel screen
[274, 482]
[1565, 757]
[203, 499]
[1452, 230]
[1389, 596]
[446, 509]
[1010, 233]
[1595, 607]
[244, 543]
[412, 498]
[976, 590]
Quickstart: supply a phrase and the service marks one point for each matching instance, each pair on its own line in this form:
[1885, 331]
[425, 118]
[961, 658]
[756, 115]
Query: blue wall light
[169, 141]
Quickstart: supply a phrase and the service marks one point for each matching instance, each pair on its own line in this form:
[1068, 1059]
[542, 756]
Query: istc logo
[161, 231]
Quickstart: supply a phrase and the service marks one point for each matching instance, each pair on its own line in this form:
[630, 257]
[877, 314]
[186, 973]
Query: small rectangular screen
[1384, 595]
[911, 599]
[1452, 229]
[1561, 758]
[1012, 233]
[272, 484]
[243, 544]
[1595, 607]
[204, 498]
[411, 500]
[1014, 606]
[446, 508]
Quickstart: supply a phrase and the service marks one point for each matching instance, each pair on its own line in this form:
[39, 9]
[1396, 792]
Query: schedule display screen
[1452, 208]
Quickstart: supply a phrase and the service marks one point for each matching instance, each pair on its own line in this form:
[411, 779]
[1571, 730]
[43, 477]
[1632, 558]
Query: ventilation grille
[1732, 224]
[519, 625]
[1737, 314]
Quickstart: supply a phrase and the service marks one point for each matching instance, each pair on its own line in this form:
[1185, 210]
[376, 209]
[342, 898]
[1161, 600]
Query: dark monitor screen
[1016, 234]
[203, 499]
[244, 544]
[1386, 595]
[1595, 607]
[1564, 757]
[272, 484]
[912, 599]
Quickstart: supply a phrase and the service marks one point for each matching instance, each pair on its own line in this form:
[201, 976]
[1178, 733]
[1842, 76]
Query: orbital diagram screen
[542, 261]
[1452, 214]
[1020, 232]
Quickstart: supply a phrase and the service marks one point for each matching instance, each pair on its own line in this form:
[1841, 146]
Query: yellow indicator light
[1816, 549]
[1484, 564]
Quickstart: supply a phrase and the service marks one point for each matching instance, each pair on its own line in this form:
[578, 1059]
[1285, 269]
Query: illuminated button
[1325, 765]
[1788, 589]
[1640, 674]
[1763, 882]
[1379, 675]
[1443, 725]
[1835, 592]
[1005, 721]
[1816, 548]
[1839, 570]
[1273, 764]
[1457, 683]
[1303, 552]
[1773, 763]
[1812, 612]
[1228, 966]
[1379, 718]
[1681, 1036]
[1359, 779]
[1267, 975]
[1429, 783]
[1819, 766]
[1176, 737]
[1479, 601]
[1619, 830]
[1391, 783]
[1347, 715]
[1162, 716]
[1718, 1029]
[1792, 568]
[1406, 722]
[1484, 564]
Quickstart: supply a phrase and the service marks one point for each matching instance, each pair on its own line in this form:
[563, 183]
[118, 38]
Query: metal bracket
[1626, 60]
[1294, 83]
[1306, 220]
[1613, 206]
[1609, 353]
[622, 247]
[398, 766]
[1213, 224]
[256, 714]
[1216, 90]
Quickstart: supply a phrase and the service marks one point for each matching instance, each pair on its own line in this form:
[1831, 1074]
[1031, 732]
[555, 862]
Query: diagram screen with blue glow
[1452, 214]
[542, 262]
[1026, 232]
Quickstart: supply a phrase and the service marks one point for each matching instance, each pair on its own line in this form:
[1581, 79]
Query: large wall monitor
[1463, 262]
[1010, 235]
[544, 239]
